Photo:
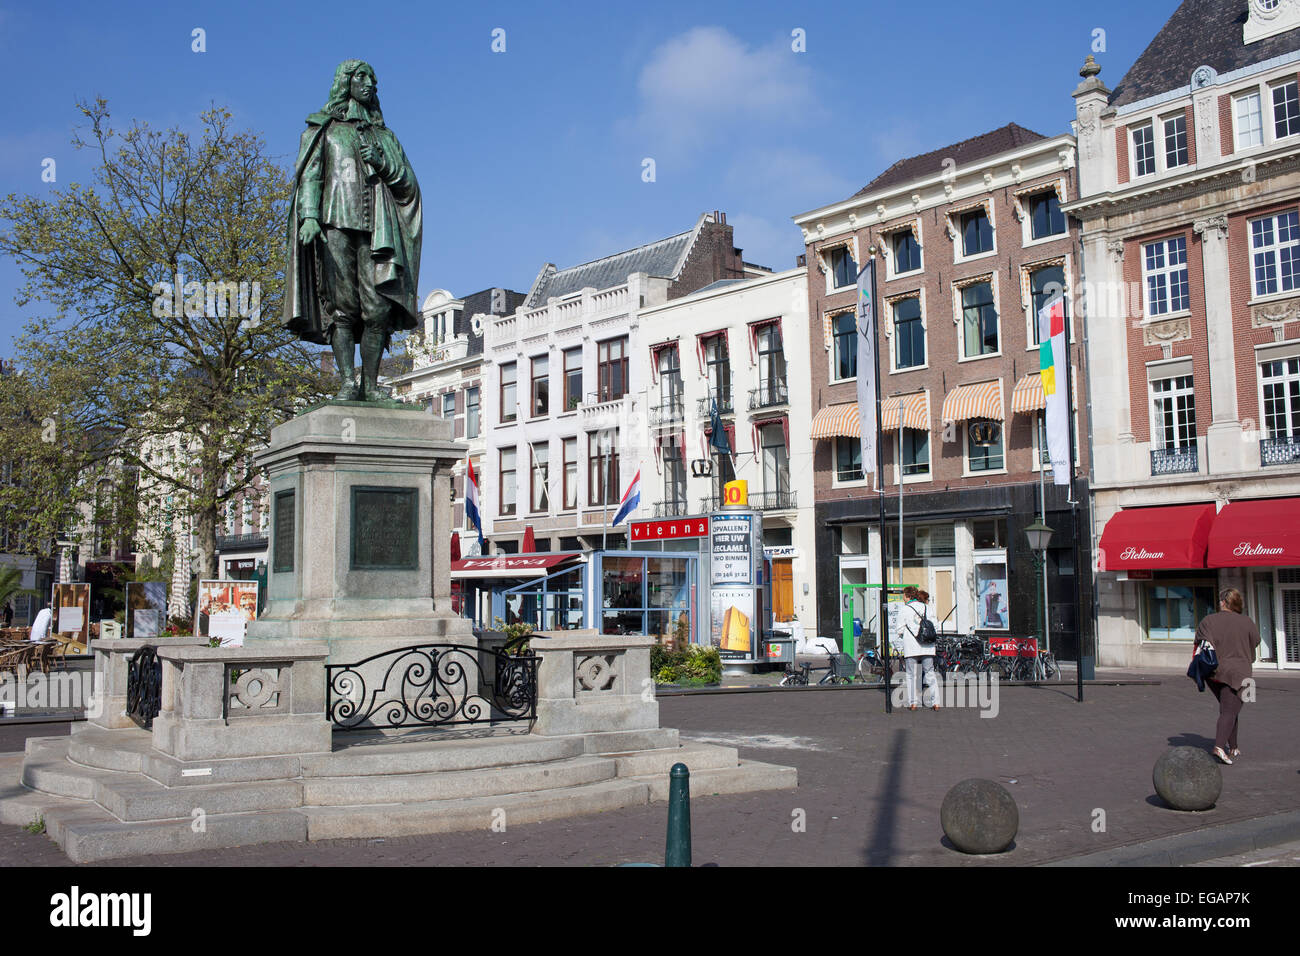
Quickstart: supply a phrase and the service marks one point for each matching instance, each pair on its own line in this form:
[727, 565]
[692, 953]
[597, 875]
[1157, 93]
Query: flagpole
[882, 613]
[1074, 511]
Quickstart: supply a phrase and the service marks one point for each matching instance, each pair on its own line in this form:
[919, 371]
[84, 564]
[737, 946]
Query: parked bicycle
[800, 675]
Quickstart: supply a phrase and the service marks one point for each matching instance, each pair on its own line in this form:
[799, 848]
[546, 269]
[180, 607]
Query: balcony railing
[670, 413]
[673, 508]
[240, 542]
[724, 404]
[769, 395]
[1282, 450]
[758, 500]
[1175, 461]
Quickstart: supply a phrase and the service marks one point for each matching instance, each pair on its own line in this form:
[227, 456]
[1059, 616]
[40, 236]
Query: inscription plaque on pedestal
[282, 555]
[385, 528]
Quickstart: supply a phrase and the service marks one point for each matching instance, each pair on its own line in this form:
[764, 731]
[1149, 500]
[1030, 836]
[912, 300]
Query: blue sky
[535, 154]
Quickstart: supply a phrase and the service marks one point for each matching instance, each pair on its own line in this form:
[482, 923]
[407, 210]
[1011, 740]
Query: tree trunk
[205, 529]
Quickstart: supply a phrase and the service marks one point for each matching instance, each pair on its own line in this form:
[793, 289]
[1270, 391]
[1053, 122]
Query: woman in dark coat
[1234, 638]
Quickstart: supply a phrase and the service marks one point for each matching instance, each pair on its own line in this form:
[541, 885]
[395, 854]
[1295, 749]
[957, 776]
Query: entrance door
[944, 597]
[1289, 645]
[1263, 615]
[782, 589]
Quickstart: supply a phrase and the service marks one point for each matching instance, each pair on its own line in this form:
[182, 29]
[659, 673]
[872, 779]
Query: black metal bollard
[678, 851]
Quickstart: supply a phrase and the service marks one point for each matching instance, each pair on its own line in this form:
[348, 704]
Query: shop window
[989, 533]
[1173, 608]
[649, 596]
[991, 608]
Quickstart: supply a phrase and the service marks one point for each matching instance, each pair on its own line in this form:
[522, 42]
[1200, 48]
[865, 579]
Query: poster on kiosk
[735, 563]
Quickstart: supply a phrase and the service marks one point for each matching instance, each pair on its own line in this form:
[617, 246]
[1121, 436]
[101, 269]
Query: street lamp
[1039, 535]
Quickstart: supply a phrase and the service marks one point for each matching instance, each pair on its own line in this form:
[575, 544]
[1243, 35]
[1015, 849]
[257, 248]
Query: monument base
[360, 524]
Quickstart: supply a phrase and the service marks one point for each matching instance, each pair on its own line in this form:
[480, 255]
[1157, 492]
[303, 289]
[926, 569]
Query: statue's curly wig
[341, 92]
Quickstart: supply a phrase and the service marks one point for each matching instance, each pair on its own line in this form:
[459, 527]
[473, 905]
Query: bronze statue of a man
[354, 232]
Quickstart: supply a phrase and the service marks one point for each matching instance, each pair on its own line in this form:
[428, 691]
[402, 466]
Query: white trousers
[924, 667]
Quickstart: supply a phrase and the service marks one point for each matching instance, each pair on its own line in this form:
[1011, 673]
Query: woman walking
[1234, 638]
[918, 658]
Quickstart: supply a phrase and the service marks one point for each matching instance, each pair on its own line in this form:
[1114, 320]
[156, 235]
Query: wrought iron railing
[758, 500]
[144, 686]
[723, 399]
[673, 508]
[227, 542]
[1175, 461]
[1282, 450]
[667, 414]
[431, 685]
[769, 395]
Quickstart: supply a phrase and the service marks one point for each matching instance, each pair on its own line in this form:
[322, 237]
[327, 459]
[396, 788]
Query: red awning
[509, 565]
[1171, 537]
[1261, 532]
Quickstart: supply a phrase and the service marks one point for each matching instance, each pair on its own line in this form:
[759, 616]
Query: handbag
[1205, 663]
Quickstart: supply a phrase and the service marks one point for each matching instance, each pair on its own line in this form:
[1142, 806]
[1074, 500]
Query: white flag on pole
[866, 323]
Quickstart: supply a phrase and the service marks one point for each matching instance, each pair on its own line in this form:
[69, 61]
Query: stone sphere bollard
[1187, 778]
[979, 816]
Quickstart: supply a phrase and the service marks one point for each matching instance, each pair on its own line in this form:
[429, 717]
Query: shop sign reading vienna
[671, 528]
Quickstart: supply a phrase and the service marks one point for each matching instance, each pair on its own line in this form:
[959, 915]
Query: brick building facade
[969, 242]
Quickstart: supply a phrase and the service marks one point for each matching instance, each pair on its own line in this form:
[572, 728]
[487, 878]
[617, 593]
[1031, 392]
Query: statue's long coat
[394, 242]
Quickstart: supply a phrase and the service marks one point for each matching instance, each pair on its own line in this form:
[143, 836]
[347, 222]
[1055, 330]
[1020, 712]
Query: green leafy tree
[161, 359]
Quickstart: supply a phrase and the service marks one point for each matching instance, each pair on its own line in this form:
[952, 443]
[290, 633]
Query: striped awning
[1028, 394]
[974, 401]
[913, 410]
[837, 421]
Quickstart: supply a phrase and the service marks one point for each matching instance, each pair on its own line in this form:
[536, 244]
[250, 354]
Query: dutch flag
[631, 500]
[471, 502]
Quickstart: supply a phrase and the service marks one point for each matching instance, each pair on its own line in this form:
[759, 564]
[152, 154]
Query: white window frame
[959, 316]
[1260, 362]
[834, 362]
[898, 458]
[890, 330]
[824, 254]
[1237, 100]
[891, 266]
[1168, 272]
[1169, 397]
[836, 482]
[1134, 128]
[966, 470]
[1025, 212]
[956, 233]
[1272, 91]
[1164, 140]
[1027, 297]
[1274, 249]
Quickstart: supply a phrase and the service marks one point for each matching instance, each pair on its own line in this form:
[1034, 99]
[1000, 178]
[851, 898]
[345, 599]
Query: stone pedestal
[221, 702]
[108, 709]
[360, 530]
[593, 683]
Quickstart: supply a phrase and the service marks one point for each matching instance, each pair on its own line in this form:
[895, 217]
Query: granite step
[121, 750]
[473, 813]
[48, 770]
[433, 755]
[697, 757]
[136, 798]
[444, 785]
[750, 776]
[87, 838]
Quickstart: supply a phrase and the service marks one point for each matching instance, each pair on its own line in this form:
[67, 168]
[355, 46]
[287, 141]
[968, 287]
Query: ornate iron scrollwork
[431, 685]
[144, 686]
